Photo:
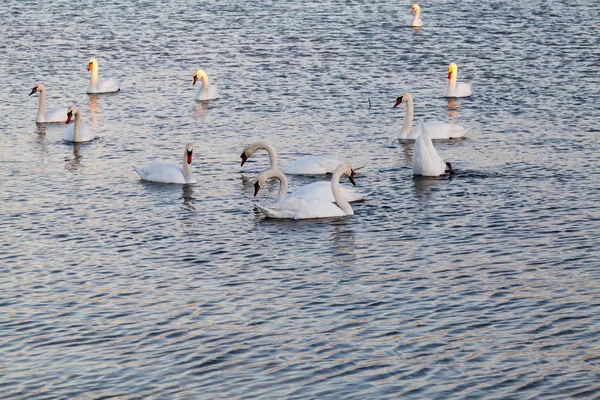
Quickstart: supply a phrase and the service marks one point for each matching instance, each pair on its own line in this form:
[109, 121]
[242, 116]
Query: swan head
[346, 169]
[71, 112]
[261, 179]
[452, 69]
[403, 98]
[38, 88]
[92, 63]
[189, 150]
[247, 153]
[199, 75]
[415, 8]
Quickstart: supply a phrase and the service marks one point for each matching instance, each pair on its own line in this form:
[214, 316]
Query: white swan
[76, 132]
[205, 91]
[436, 129]
[299, 208]
[313, 191]
[169, 173]
[305, 165]
[417, 19]
[456, 89]
[426, 160]
[58, 114]
[108, 85]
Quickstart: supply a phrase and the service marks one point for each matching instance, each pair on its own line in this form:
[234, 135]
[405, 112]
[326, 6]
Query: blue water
[483, 286]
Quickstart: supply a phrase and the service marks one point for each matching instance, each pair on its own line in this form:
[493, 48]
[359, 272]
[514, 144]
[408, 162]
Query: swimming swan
[108, 85]
[417, 20]
[205, 91]
[169, 173]
[436, 129]
[305, 165]
[51, 115]
[76, 132]
[299, 208]
[426, 160]
[313, 191]
[456, 89]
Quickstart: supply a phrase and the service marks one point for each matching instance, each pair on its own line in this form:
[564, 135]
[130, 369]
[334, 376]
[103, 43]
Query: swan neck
[94, 78]
[205, 84]
[337, 192]
[452, 84]
[408, 119]
[77, 128]
[41, 115]
[283, 184]
[273, 162]
[417, 16]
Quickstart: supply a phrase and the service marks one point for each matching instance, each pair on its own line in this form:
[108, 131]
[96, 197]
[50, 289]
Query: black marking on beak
[398, 101]
[33, 90]
[195, 80]
[69, 116]
[256, 188]
[244, 158]
[351, 177]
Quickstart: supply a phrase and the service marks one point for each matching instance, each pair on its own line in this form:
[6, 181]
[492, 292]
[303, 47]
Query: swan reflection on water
[189, 201]
[200, 108]
[73, 163]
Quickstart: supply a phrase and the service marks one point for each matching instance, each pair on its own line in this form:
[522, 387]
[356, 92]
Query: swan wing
[444, 130]
[58, 114]
[463, 89]
[84, 130]
[322, 191]
[162, 172]
[298, 208]
[108, 85]
[211, 94]
[426, 160]
[313, 165]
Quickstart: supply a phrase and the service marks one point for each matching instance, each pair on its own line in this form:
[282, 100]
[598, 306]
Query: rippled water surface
[485, 286]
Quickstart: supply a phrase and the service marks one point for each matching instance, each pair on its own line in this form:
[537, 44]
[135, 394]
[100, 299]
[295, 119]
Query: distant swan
[170, 173]
[436, 129]
[206, 91]
[51, 115]
[417, 19]
[313, 191]
[108, 85]
[426, 160]
[456, 89]
[76, 132]
[299, 208]
[305, 165]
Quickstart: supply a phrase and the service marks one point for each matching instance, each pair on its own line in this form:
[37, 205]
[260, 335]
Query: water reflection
[73, 163]
[94, 111]
[452, 110]
[426, 186]
[417, 29]
[343, 243]
[407, 151]
[200, 109]
[189, 200]
[41, 129]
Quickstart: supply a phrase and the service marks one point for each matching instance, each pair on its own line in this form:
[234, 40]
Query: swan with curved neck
[417, 19]
[436, 129]
[58, 114]
[170, 173]
[108, 85]
[299, 208]
[456, 89]
[313, 191]
[305, 165]
[78, 132]
[206, 91]
[426, 160]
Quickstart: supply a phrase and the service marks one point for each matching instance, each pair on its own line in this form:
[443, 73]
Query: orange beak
[397, 102]
[450, 75]
[189, 157]
[69, 116]
[90, 66]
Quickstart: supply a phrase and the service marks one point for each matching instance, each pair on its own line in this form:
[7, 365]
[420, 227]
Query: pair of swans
[205, 91]
[305, 165]
[295, 206]
[436, 129]
[170, 173]
[108, 85]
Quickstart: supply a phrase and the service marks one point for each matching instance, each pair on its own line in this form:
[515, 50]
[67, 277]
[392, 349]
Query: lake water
[483, 286]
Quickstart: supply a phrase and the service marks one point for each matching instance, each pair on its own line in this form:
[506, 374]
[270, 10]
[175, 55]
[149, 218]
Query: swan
[206, 91]
[58, 114]
[299, 208]
[417, 19]
[108, 85]
[456, 89]
[169, 173]
[436, 129]
[426, 160]
[76, 132]
[313, 191]
[305, 165]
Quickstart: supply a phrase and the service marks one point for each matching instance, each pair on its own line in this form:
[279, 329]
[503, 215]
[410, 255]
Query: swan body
[426, 160]
[456, 89]
[108, 85]
[170, 173]
[417, 19]
[305, 165]
[77, 132]
[436, 129]
[206, 91]
[313, 191]
[299, 208]
[44, 115]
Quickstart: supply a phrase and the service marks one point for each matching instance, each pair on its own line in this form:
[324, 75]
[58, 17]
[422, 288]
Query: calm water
[487, 285]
